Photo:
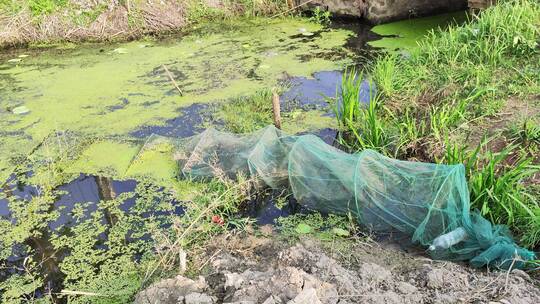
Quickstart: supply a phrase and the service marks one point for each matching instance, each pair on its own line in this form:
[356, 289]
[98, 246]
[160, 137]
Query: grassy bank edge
[469, 94]
[45, 22]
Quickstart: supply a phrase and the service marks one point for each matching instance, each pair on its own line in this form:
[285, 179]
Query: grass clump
[457, 86]
[247, 114]
[321, 16]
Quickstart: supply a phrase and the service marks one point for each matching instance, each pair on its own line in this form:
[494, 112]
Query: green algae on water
[405, 34]
[101, 91]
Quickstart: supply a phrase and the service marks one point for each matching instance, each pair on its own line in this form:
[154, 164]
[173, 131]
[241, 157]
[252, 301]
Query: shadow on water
[266, 208]
[190, 121]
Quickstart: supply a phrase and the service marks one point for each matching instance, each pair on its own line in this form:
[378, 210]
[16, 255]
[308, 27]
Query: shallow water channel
[74, 118]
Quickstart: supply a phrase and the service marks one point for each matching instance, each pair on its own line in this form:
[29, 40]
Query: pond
[81, 198]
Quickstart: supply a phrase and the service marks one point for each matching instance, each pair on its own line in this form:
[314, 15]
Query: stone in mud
[198, 298]
[438, 278]
[171, 291]
[306, 296]
[374, 273]
[406, 288]
[273, 300]
[233, 280]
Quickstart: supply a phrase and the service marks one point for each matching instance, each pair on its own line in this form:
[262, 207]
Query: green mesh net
[428, 202]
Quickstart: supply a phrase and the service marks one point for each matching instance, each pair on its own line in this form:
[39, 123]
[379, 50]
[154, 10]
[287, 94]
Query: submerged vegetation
[108, 249]
[454, 99]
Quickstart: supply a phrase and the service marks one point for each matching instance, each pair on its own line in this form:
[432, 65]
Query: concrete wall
[379, 11]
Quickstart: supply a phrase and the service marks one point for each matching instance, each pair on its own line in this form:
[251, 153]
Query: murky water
[111, 98]
[404, 35]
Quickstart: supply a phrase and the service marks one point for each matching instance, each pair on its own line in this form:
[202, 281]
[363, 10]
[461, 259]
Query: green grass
[36, 7]
[346, 105]
[496, 181]
[45, 7]
[320, 16]
[247, 114]
[201, 11]
[11, 6]
[527, 133]
[452, 89]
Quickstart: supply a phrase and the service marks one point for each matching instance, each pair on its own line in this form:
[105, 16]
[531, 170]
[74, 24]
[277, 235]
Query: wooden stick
[277, 110]
[172, 80]
[292, 9]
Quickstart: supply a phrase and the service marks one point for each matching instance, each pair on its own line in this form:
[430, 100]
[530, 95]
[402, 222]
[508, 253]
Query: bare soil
[249, 269]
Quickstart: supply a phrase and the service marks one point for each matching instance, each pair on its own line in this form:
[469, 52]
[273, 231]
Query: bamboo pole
[277, 110]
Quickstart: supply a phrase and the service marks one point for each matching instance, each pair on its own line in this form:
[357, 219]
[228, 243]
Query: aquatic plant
[346, 105]
[139, 98]
[320, 16]
[326, 228]
[104, 251]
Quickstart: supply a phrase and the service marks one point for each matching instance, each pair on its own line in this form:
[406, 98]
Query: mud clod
[305, 273]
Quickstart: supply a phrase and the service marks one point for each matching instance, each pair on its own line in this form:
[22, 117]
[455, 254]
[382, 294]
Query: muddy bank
[252, 269]
[100, 20]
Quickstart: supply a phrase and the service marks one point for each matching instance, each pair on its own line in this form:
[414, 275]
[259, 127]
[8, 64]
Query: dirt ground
[257, 269]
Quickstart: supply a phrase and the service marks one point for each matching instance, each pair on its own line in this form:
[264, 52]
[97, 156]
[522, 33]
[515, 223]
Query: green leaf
[340, 232]
[303, 228]
[20, 110]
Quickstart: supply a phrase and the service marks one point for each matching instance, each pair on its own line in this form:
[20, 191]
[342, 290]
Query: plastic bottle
[449, 239]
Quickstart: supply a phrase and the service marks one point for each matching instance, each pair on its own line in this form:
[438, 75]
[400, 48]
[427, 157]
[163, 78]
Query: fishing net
[428, 202]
